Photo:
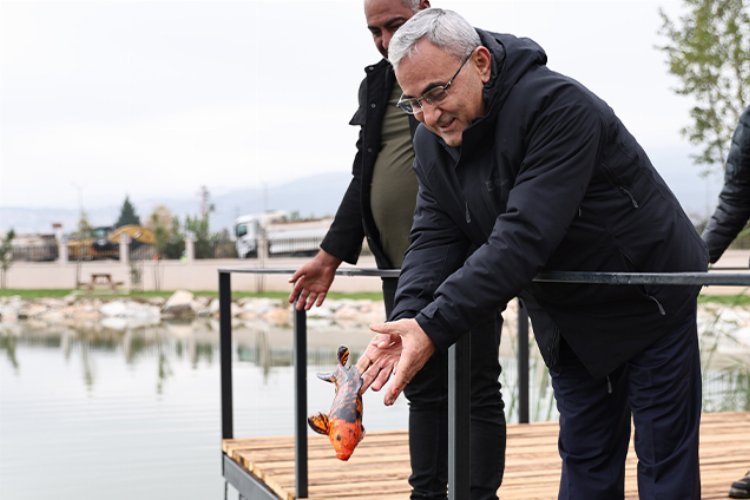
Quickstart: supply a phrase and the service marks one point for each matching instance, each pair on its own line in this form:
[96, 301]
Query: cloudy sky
[100, 99]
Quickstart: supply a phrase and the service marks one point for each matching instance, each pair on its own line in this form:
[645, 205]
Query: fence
[459, 383]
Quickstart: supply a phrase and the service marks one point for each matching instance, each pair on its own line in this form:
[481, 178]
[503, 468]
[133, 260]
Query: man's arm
[438, 247]
[733, 211]
[342, 242]
[401, 347]
[557, 167]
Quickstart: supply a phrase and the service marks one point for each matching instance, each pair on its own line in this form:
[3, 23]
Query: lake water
[134, 412]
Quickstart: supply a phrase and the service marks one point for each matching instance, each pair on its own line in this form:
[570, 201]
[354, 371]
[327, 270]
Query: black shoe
[741, 488]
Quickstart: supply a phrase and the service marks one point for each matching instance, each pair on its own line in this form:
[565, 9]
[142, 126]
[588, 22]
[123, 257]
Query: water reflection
[8, 345]
[148, 396]
[724, 353]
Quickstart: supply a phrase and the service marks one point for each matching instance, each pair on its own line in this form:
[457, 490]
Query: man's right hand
[312, 280]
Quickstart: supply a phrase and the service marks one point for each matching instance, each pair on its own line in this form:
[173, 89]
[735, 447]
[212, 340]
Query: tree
[6, 255]
[127, 214]
[170, 242]
[84, 226]
[709, 52]
[199, 226]
[201, 237]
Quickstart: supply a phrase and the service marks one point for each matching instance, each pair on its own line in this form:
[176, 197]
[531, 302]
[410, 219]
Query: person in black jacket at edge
[523, 170]
[379, 204]
[729, 218]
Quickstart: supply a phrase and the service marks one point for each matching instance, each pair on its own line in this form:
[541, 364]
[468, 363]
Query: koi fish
[343, 424]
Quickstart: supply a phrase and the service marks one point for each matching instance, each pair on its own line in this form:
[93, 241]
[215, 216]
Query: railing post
[459, 418]
[523, 364]
[300, 402]
[225, 349]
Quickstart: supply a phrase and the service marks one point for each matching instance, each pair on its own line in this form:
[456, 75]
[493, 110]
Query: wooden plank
[380, 467]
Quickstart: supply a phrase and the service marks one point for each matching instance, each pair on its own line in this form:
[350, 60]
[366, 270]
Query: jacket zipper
[658, 304]
[628, 194]
[616, 183]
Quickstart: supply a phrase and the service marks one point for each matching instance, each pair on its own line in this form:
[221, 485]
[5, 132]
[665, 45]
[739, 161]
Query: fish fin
[328, 377]
[319, 423]
[343, 355]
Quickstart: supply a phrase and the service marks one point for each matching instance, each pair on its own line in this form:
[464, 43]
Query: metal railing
[459, 381]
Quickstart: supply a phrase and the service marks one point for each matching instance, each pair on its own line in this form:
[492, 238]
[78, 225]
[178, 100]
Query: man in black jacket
[379, 204]
[523, 170]
[729, 218]
[733, 211]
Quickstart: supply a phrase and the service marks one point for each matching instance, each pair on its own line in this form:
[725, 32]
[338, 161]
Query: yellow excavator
[136, 234]
[104, 242]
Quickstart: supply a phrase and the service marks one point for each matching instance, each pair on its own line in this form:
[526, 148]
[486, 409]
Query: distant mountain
[319, 195]
[313, 196]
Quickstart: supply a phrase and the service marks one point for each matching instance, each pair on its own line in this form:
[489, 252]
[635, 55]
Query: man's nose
[428, 113]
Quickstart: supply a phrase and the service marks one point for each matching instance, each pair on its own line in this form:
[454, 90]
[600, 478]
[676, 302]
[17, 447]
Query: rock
[179, 306]
[10, 307]
[129, 314]
[32, 310]
[360, 312]
[279, 316]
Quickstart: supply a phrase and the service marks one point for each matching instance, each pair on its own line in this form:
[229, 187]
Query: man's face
[384, 17]
[427, 67]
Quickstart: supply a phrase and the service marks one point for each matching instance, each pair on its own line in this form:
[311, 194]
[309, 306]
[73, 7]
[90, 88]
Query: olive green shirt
[393, 193]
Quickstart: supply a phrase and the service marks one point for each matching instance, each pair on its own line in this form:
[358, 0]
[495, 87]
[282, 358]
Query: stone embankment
[726, 327]
[77, 309]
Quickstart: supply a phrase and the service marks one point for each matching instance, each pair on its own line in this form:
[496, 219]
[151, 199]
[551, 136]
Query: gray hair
[443, 28]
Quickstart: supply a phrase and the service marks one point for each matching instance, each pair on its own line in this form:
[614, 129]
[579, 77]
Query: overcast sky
[155, 98]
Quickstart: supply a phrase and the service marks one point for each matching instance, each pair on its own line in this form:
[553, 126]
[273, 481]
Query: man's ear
[483, 61]
[424, 4]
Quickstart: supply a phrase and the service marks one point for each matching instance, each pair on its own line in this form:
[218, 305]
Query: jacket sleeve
[733, 210]
[436, 250]
[562, 151]
[345, 236]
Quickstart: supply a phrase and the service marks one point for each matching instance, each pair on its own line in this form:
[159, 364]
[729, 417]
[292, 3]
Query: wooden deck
[380, 466]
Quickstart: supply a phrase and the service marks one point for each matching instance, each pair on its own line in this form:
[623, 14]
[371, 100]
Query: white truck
[282, 236]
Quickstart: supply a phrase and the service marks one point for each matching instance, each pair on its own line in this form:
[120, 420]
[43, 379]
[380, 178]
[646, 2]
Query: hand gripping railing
[459, 382]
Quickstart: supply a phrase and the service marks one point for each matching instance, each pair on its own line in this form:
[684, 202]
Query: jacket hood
[512, 57]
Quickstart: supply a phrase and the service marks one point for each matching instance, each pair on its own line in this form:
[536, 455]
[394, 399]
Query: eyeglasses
[436, 94]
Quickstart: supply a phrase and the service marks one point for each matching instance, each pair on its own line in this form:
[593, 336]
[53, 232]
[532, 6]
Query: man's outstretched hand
[402, 348]
[312, 281]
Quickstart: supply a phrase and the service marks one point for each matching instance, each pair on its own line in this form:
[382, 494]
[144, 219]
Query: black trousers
[428, 416]
[660, 388]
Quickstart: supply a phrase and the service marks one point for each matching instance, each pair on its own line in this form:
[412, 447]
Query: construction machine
[103, 242]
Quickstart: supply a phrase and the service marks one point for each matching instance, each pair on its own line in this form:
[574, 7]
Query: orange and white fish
[343, 424]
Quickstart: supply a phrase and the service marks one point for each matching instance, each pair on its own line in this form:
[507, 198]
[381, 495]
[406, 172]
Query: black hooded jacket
[734, 200]
[548, 179]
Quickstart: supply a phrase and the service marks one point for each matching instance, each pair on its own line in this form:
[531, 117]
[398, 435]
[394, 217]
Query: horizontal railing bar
[685, 278]
[710, 278]
[382, 273]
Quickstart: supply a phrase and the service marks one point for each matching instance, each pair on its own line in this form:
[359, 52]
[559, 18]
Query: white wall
[172, 275]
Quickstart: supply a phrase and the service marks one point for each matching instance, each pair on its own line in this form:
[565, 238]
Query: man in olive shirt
[393, 191]
[379, 205]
